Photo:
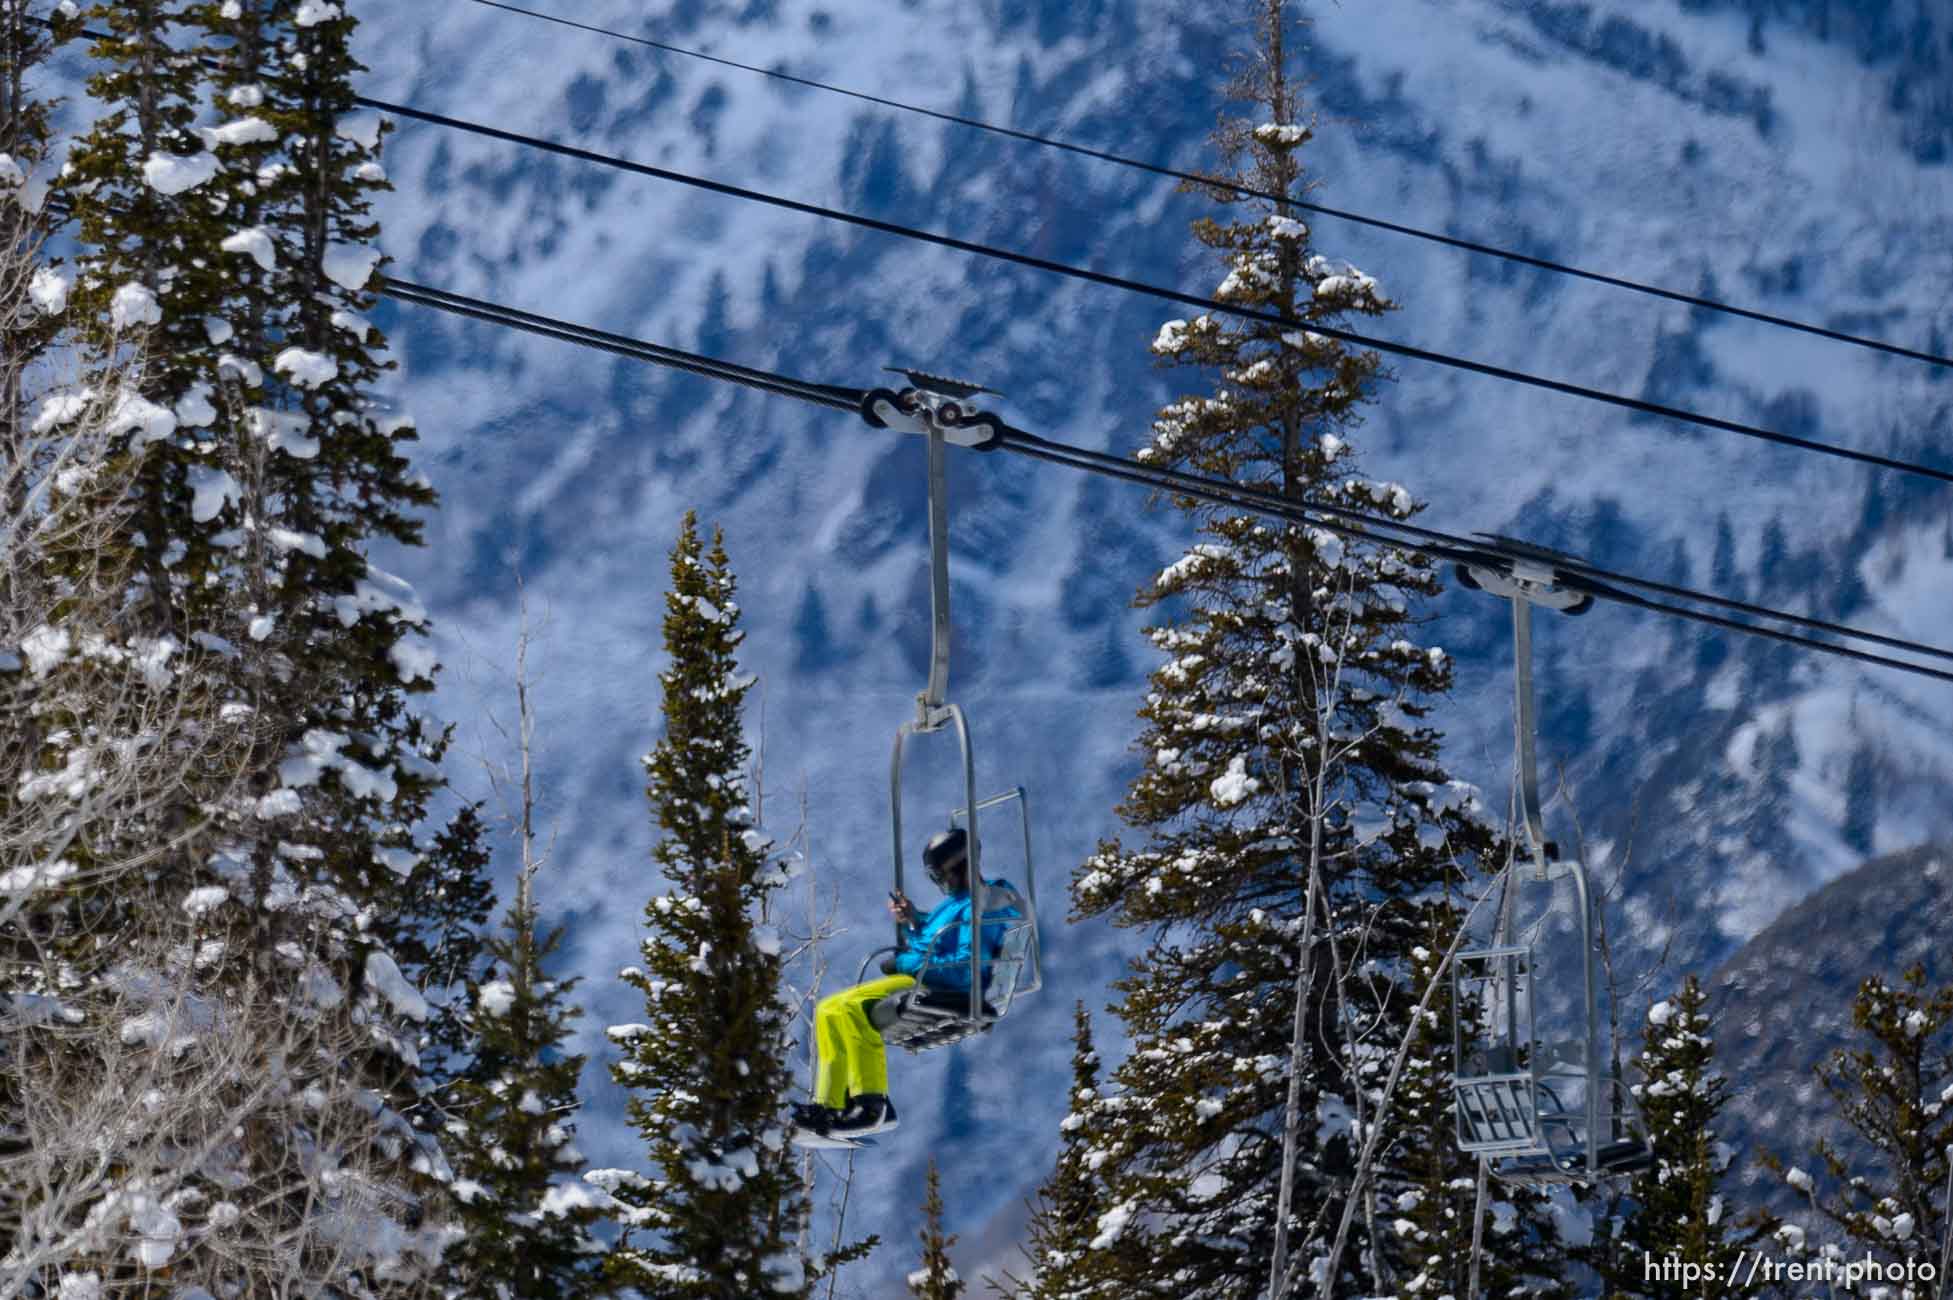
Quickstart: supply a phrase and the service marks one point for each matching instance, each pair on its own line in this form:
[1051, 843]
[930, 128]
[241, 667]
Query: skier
[851, 1078]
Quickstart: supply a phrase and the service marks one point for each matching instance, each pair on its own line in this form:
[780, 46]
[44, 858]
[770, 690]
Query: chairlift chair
[1538, 1109]
[921, 1018]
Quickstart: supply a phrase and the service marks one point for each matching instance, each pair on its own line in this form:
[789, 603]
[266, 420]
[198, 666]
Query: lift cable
[841, 399]
[1429, 541]
[1635, 404]
[1341, 520]
[1638, 405]
[1248, 192]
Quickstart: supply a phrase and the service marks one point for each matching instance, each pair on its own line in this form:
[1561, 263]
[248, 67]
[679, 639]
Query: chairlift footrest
[920, 1038]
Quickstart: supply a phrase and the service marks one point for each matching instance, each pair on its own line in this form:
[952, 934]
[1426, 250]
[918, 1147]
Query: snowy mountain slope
[1645, 140]
[1783, 1001]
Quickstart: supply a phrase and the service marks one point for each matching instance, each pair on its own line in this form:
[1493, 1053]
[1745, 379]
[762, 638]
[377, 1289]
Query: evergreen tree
[150, 272]
[226, 269]
[31, 316]
[1291, 805]
[449, 896]
[710, 1072]
[1520, 1252]
[523, 1230]
[936, 1279]
[1890, 1203]
[1065, 1216]
[1680, 1215]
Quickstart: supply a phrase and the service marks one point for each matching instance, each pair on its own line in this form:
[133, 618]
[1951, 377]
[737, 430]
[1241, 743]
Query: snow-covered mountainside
[1783, 1004]
[1786, 154]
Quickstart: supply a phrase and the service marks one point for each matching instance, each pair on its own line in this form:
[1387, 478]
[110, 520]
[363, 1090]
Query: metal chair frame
[918, 1021]
[1509, 1113]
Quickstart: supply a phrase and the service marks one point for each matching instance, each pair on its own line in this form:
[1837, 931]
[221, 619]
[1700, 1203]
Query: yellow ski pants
[851, 1058]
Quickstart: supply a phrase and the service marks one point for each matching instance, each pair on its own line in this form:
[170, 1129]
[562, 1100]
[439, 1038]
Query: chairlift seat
[924, 1017]
[933, 1018]
[1509, 1090]
[1616, 1159]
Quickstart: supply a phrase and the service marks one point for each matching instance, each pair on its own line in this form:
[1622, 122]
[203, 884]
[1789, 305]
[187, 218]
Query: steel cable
[1636, 404]
[1341, 520]
[1249, 192]
[1507, 374]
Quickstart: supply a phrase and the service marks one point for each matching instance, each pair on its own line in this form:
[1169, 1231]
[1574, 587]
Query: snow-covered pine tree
[33, 292]
[936, 1279]
[1679, 1211]
[25, 137]
[1896, 1094]
[710, 1071]
[1065, 1215]
[1519, 1248]
[264, 474]
[449, 897]
[150, 271]
[523, 1225]
[1291, 801]
[523, 1229]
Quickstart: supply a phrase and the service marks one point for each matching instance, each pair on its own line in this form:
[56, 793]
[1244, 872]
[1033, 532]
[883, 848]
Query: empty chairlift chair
[1537, 1095]
[1538, 1106]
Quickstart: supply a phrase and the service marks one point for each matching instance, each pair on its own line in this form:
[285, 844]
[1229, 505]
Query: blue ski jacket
[942, 940]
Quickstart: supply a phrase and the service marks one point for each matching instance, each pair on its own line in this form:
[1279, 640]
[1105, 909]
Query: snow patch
[350, 266]
[353, 323]
[413, 660]
[286, 431]
[1207, 1187]
[49, 290]
[136, 414]
[133, 305]
[171, 174]
[363, 129]
[255, 243]
[279, 803]
[1233, 785]
[306, 369]
[45, 647]
[383, 975]
[246, 130]
[200, 901]
[211, 490]
[193, 409]
[496, 997]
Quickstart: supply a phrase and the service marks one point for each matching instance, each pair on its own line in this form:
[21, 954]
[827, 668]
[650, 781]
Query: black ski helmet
[944, 858]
